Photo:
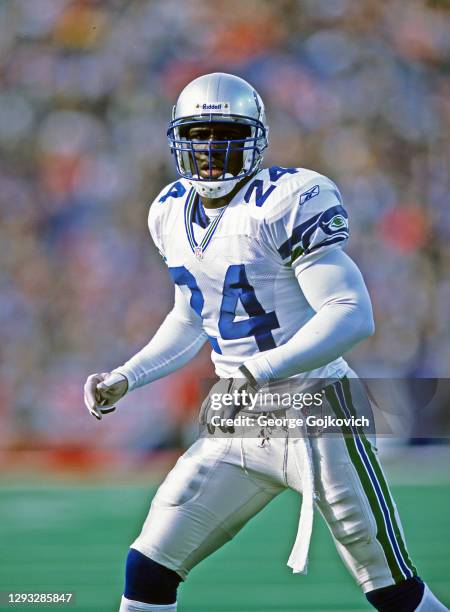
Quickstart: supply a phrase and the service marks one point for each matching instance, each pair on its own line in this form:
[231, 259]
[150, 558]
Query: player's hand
[102, 391]
[217, 402]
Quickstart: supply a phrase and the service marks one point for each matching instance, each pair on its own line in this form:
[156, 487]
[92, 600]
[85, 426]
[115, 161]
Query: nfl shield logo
[198, 252]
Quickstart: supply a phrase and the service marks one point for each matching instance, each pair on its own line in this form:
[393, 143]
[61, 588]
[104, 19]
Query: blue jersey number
[259, 324]
[235, 288]
[275, 172]
[181, 276]
[175, 191]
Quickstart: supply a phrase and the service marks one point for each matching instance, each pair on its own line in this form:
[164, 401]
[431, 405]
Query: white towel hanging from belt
[298, 559]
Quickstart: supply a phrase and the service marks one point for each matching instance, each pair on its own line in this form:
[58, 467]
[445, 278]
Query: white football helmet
[218, 98]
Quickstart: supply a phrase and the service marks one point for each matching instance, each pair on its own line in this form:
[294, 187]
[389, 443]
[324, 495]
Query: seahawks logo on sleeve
[314, 220]
[321, 230]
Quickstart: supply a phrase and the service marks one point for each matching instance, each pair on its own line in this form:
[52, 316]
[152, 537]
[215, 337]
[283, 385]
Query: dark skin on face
[218, 131]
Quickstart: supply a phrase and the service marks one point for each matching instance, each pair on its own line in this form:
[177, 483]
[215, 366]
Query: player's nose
[209, 149]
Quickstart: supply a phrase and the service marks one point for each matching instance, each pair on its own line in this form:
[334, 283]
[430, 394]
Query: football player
[256, 257]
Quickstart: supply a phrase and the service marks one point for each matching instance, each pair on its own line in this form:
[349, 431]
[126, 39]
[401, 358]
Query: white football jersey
[238, 270]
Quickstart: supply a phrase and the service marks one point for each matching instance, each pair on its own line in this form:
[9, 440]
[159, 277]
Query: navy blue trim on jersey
[339, 238]
[302, 234]
[187, 207]
[285, 249]
[199, 216]
[189, 211]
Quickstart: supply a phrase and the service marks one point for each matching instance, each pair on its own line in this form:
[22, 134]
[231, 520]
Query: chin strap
[214, 189]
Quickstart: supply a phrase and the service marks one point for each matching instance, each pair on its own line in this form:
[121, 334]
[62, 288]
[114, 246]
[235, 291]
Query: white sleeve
[335, 289]
[177, 341]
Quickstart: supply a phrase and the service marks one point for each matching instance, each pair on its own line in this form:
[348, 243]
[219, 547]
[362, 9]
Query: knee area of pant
[355, 531]
[148, 581]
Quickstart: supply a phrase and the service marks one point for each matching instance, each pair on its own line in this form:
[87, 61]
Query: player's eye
[199, 135]
[230, 137]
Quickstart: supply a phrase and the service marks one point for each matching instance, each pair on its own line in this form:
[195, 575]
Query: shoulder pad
[161, 208]
[304, 217]
[276, 190]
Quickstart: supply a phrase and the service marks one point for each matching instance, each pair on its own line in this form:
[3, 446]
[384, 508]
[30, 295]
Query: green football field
[75, 538]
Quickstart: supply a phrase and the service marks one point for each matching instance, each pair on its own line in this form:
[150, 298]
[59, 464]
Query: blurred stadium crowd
[356, 90]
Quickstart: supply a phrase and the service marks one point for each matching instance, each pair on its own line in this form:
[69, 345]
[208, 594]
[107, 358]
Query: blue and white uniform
[266, 282]
[239, 273]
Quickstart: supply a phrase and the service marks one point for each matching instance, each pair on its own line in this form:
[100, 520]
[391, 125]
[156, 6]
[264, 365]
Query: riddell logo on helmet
[222, 107]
